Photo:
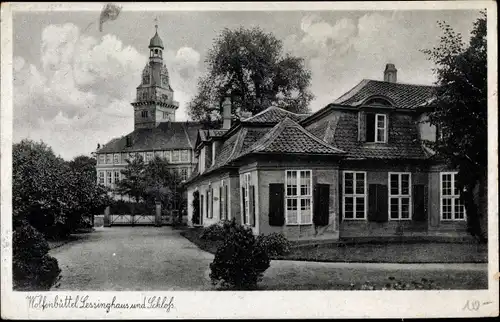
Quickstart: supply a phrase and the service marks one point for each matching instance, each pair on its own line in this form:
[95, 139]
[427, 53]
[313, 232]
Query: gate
[131, 220]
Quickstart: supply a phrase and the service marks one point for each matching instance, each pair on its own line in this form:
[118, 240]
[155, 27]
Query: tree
[37, 183]
[133, 183]
[249, 66]
[460, 112]
[52, 195]
[161, 183]
[86, 197]
[84, 165]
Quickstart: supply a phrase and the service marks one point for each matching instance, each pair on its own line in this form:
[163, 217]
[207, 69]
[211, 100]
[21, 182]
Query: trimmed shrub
[32, 267]
[240, 261]
[275, 244]
[216, 232]
[213, 232]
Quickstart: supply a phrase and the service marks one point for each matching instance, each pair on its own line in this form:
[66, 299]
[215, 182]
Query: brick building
[355, 168]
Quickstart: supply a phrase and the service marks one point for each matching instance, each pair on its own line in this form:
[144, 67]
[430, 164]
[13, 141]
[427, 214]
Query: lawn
[388, 252]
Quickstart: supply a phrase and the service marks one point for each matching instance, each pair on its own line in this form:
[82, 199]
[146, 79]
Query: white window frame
[183, 174]
[167, 156]
[102, 177]
[453, 197]
[109, 177]
[149, 156]
[355, 195]
[380, 128]
[178, 156]
[109, 158]
[247, 178]
[299, 196]
[116, 178]
[102, 158]
[116, 158]
[184, 153]
[400, 196]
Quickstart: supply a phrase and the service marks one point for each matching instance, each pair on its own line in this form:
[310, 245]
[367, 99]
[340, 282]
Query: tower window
[144, 113]
[156, 51]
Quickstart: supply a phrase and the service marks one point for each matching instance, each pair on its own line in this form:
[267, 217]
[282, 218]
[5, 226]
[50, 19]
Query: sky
[73, 85]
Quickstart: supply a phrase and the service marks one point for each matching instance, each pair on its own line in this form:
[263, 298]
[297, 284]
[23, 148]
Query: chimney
[390, 73]
[226, 113]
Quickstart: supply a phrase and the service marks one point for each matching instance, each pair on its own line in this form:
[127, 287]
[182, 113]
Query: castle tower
[154, 102]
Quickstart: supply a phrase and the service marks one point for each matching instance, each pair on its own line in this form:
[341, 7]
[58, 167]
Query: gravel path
[132, 259]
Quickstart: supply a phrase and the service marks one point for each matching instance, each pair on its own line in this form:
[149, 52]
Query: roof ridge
[353, 91]
[402, 83]
[239, 141]
[273, 107]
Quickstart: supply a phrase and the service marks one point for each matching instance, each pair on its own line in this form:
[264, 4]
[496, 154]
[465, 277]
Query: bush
[240, 261]
[32, 267]
[215, 232]
[275, 244]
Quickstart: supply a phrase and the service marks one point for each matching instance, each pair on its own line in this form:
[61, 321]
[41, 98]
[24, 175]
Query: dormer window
[376, 128]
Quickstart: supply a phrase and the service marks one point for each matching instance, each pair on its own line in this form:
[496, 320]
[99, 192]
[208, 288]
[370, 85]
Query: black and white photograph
[280, 159]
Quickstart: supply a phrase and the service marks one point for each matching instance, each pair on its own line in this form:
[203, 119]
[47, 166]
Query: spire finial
[156, 23]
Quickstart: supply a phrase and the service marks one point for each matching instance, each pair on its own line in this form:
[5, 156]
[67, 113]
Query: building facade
[156, 133]
[356, 168]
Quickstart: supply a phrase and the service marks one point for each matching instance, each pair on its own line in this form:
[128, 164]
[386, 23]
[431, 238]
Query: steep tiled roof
[274, 114]
[166, 136]
[403, 139]
[406, 96]
[289, 137]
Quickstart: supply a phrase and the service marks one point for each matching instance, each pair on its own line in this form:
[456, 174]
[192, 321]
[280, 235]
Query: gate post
[158, 214]
[107, 222]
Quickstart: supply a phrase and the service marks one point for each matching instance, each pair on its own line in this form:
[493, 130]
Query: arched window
[156, 52]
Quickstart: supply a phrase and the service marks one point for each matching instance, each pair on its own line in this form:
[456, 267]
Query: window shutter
[321, 211]
[382, 203]
[372, 202]
[243, 210]
[276, 204]
[221, 214]
[341, 200]
[251, 195]
[419, 207]
[361, 126]
[207, 204]
[202, 206]
[226, 200]
[370, 127]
